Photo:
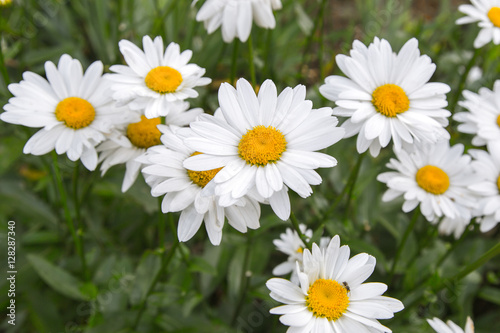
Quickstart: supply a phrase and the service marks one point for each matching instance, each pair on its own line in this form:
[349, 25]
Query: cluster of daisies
[257, 147]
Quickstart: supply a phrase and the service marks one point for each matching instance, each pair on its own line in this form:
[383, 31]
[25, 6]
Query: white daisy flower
[450, 327]
[483, 116]
[487, 167]
[75, 110]
[182, 187]
[267, 143]
[291, 244]
[236, 16]
[332, 296]
[487, 14]
[154, 78]
[436, 177]
[388, 96]
[131, 140]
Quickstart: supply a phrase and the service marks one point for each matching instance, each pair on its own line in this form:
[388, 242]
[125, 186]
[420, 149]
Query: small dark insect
[346, 286]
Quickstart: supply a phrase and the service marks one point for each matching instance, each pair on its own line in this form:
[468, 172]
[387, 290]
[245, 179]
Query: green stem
[349, 187]
[67, 214]
[164, 264]
[432, 233]
[490, 254]
[295, 224]
[444, 257]
[251, 61]
[463, 79]
[245, 280]
[311, 36]
[268, 69]
[353, 179]
[3, 68]
[76, 176]
[454, 246]
[320, 41]
[161, 225]
[409, 229]
[234, 62]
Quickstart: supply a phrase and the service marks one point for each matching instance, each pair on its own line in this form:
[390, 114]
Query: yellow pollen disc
[498, 120]
[498, 183]
[433, 179]
[144, 134]
[163, 79]
[494, 16]
[202, 178]
[390, 100]
[262, 145]
[75, 112]
[327, 299]
[300, 250]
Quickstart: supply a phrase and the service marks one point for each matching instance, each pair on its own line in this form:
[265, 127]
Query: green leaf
[148, 268]
[13, 197]
[235, 272]
[57, 278]
[198, 264]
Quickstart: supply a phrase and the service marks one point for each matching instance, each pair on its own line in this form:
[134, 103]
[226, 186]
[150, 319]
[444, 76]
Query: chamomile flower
[291, 244]
[74, 110]
[434, 176]
[182, 188]
[132, 138]
[483, 116]
[388, 96]
[332, 296]
[155, 78]
[235, 17]
[487, 167]
[266, 143]
[487, 14]
[450, 327]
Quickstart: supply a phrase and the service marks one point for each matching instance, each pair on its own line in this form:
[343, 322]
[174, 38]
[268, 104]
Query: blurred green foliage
[221, 289]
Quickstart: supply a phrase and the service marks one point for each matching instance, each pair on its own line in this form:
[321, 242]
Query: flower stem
[317, 23]
[67, 214]
[352, 179]
[295, 224]
[234, 61]
[166, 259]
[490, 254]
[3, 68]
[269, 55]
[161, 225]
[320, 38]
[409, 229]
[454, 246]
[245, 280]
[251, 61]
[349, 187]
[463, 79]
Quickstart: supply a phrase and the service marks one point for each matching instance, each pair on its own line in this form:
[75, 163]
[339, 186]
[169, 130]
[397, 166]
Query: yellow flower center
[498, 120]
[163, 79]
[300, 250]
[390, 100]
[262, 145]
[327, 299]
[494, 16]
[498, 183]
[433, 179]
[202, 178]
[75, 112]
[144, 134]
